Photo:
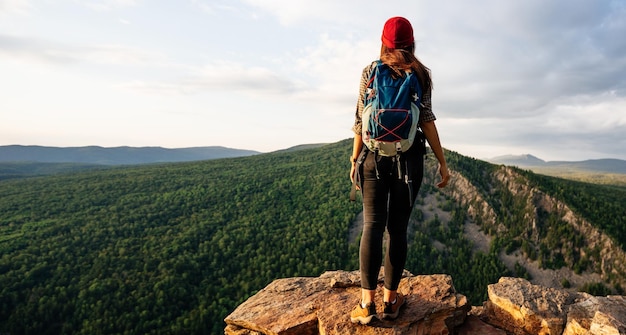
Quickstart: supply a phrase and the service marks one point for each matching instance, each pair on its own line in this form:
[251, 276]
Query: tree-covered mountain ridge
[173, 248]
[530, 223]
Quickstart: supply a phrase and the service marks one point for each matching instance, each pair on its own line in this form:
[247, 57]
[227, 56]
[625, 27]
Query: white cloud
[24, 49]
[539, 47]
[587, 115]
[215, 7]
[107, 5]
[119, 54]
[294, 12]
[9, 7]
[222, 76]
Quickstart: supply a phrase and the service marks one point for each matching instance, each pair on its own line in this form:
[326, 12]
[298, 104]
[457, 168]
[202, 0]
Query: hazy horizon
[297, 145]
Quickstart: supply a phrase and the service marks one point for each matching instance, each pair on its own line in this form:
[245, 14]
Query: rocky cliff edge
[321, 305]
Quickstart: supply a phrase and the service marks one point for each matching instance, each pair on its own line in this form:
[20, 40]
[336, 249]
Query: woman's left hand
[445, 177]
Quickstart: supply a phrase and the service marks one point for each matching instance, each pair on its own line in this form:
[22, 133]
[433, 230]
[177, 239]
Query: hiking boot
[392, 310]
[363, 315]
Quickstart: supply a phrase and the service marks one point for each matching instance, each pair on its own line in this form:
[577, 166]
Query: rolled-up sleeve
[426, 108]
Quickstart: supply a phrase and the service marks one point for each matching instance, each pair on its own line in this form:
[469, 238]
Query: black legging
[386, 203]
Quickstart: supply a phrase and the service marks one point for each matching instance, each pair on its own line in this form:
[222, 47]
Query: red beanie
[397, 33]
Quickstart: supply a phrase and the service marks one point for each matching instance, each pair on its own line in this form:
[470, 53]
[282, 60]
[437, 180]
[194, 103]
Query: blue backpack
[391, 113]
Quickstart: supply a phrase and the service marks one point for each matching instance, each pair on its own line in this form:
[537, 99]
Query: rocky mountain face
[602, 256]
[311, 306]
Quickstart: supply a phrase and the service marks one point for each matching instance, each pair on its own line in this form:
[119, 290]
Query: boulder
[597, 316]
[522, 308]
[322, 305]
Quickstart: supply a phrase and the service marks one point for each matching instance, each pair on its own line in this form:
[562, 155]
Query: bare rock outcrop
[597, 315]
[522, 308]
[322, 306]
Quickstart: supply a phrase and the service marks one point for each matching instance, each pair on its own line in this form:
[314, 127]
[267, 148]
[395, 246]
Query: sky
[546, 78]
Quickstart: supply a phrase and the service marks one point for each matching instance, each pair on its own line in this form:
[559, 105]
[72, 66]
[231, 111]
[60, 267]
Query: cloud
[215, 7]
[582, 114]
[489, 59]
[15, 7]
[293, 12]
[520, 57]
[56, 53]
[325, 72]
[222, 76]
[584, 126]
[32, 49]
[107, 5]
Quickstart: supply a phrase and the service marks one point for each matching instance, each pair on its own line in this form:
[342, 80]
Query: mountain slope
[170, 247]
[549, 224]
[30, 169]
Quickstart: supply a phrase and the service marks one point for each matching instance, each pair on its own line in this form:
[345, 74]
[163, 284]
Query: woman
[387, 201]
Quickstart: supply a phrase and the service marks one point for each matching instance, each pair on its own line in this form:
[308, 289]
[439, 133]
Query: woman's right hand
[353, 174]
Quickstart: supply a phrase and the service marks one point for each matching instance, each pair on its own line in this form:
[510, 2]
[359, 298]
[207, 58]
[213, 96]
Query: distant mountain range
[116, 155]
[608, 165]
[96, 155]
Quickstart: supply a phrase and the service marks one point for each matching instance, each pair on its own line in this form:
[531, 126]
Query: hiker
[389, 183]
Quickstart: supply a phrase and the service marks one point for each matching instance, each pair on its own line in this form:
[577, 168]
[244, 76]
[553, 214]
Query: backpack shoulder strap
[372, 71]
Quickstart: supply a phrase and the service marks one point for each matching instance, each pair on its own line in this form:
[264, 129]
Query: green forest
[174, 248]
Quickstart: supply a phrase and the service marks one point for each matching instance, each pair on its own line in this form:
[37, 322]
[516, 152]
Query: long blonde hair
[404, 59]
